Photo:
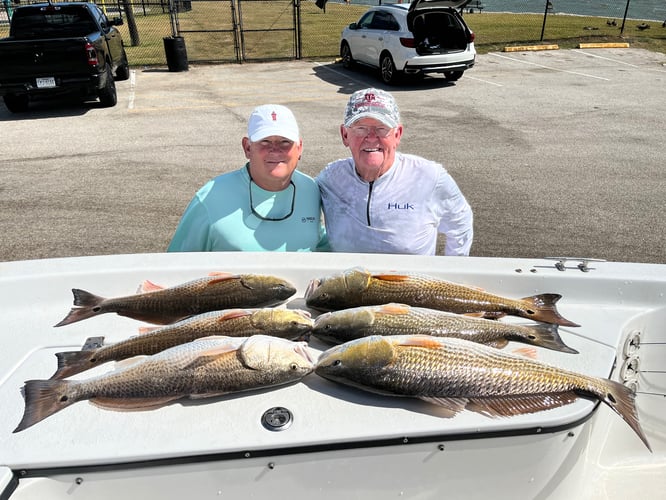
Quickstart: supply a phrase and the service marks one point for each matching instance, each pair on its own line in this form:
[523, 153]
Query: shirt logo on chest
[400, 206]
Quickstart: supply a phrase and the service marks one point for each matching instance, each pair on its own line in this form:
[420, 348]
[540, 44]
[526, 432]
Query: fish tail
[73, 362]
[546, 335]
[43, 398]
[542, 308]
[87, 306]
[622, 401]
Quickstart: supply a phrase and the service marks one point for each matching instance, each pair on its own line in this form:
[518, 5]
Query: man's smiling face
[373, 154]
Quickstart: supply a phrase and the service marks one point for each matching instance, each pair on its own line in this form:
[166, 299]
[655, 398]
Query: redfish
[457, 375]
[283, 323]
[166, 305]
[358, 287]
[400, 319]
[203, 368]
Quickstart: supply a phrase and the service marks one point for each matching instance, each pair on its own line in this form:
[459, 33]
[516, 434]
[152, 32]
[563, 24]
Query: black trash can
[176, 53]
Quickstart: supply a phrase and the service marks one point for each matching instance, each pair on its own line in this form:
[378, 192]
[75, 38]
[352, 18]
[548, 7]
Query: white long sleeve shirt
[400, 212]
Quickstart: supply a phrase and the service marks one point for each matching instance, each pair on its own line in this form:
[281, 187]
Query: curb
[520, 48]
[617, 45]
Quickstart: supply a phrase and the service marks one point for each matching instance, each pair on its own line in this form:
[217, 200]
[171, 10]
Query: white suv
[425, 36]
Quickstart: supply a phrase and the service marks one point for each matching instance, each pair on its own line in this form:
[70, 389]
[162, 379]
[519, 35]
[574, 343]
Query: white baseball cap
[272, 119]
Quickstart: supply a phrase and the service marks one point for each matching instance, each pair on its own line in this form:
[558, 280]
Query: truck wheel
[123, 71]
[16, 103]
[107, 95]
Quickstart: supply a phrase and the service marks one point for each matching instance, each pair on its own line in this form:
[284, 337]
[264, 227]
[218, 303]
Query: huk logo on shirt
[400, 206]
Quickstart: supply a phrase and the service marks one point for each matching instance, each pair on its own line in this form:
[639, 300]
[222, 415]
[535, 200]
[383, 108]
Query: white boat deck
[611, 301]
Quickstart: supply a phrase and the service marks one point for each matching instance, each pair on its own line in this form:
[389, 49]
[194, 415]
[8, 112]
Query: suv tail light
[91, 54]
[407, 42]
[471, 37]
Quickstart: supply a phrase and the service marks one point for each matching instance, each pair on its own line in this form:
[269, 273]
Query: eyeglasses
[271, 219]
[364, 131]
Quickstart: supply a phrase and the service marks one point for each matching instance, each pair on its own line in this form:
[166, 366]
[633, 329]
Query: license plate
[46, 83]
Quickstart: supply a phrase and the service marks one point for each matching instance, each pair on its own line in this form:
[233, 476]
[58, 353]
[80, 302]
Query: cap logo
[369, 97]
[274, 116]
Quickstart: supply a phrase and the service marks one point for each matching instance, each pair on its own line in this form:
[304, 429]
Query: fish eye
[337, 362]
[293, 366]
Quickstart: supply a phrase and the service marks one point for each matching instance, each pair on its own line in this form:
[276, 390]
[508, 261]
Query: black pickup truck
[61, 48]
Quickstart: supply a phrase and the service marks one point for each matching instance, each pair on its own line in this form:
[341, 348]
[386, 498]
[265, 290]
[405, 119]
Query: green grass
[321, 31]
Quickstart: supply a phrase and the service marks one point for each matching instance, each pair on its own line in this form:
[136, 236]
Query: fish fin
[427, 341]
[134, 404]
[493, 314]
[475, 314]
[546, 335]
[73, 362]
[143, 330]
[451, 406]
[220, 277]
[210, 354]
[542, 308]
[87, 307]
[232, 314]
[393, 309]
[622, 401]
[148, 286]
[507, 406]
[207, 395]
[527, 352]
[223, 274]
[391, 277]
[498, 343]
[121, 364]
[43, 398]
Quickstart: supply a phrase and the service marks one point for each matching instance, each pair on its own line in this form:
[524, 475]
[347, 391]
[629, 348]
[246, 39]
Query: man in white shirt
[383, 201]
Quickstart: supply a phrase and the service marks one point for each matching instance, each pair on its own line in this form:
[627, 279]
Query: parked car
[424, 36]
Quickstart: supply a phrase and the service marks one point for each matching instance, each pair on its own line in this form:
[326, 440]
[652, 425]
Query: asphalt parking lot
[558, 152]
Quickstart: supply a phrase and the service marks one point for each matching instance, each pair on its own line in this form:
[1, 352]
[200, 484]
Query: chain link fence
[252, 30]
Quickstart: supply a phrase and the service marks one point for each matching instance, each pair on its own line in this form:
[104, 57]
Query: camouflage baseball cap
[372, 103]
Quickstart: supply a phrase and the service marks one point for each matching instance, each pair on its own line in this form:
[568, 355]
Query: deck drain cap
[277, 419]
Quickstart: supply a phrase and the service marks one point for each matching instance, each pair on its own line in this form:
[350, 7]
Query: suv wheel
[452, 76]
[387, 69]
[346, 55]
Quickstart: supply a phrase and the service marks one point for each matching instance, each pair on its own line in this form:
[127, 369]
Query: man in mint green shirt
[267, 205]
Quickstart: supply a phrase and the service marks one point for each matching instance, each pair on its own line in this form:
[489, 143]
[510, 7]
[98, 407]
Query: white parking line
[548, 67]
[615, 60]
[466, 77]
[130, 103]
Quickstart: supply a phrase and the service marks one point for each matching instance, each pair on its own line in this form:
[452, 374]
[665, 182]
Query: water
[654, 10]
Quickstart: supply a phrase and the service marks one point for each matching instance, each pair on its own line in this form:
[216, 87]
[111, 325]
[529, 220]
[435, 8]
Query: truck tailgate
[52, 57]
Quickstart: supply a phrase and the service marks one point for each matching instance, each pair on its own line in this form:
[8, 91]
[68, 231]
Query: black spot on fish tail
[43, 398]
[542, 308]
[546, 335]
[88, 305]
[621, 400]
[73, 362]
